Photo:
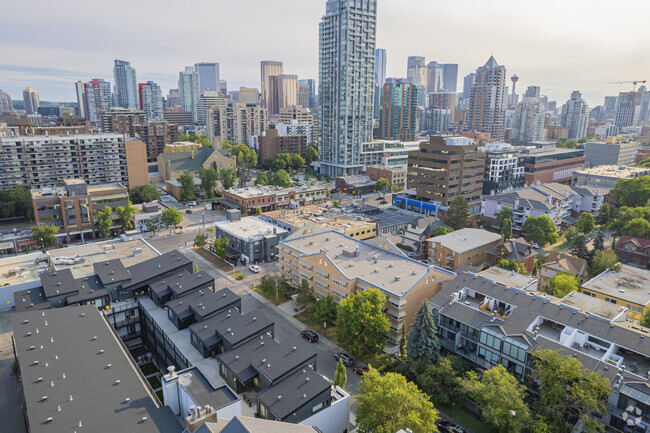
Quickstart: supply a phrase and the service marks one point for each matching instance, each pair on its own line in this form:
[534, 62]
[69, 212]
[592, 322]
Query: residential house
[513, 249]
[561, 263]
[633, 250]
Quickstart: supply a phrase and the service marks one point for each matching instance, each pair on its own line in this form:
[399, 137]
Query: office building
[247, 95]
[346, 84]
[434, 78]
[272, 144]
[468, 82]
[122, 120]
[416, 71]
[268, 69]
[532, 92]
[223, 87]
[97, 99]
[208, 76]
[574, 116]
[399, 111]
[435, 121]
[487, 104]
[442, 100]
[269, 198]
[609, 152]
[6, 105]
[156, 135]
[303, 94]
[380, 79]
[464, 247]
[445, 167]
[337, 265]
[125, 85]
[207, 99]
[504, 168]
[236, 122]
[450, 77]
[628, 108]
[311, 85]
[151, 100]
[188, 89]
[549, 164]
[287, 91]
[606, 176]
[173, 99]
[30, 98]
[530, 115]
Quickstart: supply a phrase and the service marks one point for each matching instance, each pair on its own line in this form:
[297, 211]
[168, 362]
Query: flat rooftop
[589, 304]
[249, 227]
[509, 278]
[317, 215]
[614, 171]
[261, 191]
[391, 272]
[198, 387]
[464, 240]
[389, 218]
[22, 268]
[202, 303]
[630, 284]
[78, 376]
[141, 272]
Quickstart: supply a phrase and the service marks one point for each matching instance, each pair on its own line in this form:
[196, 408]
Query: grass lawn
[330, 333]
[280, 300]
[465, 419]
[562, 246]
[238, 275]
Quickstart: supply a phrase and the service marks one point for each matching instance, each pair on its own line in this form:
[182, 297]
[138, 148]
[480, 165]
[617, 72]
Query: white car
[254, 268]
[192, 203]
[535, 245]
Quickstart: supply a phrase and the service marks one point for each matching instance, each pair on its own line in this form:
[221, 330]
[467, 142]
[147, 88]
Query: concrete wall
[333, 419]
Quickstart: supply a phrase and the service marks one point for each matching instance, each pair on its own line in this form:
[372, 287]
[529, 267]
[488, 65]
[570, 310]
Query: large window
[491, 338]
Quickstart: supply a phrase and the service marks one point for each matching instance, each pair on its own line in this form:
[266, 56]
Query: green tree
[221, 247]
[625, 215]
[104, 221]
[312, 153]
[361, 324]
[541, 230]
[440, 381]
[261, 179]
[638, 227]
[126, 214]
[396, 188]
[245, 156]
[422, 344]
[570, 234]
[209, 177]
[512, 265]
[402, 344]
[227, 177]
[304, 293]
[586, 223]
[381, 184]
[603, 260]
[199, 240]
[604, 216]
[324, 309]
[281, 178]
[187, 186]
[569, 392]
[458, 213]
[645, 320]
[442, 230]
[45, 235]
[632, 192]
[599, 240]
[389, 403]
[645, 163]
[171, 217]
[504, 214]
[579, 247]
[500, 398]
[151, 225]
[506, 228]
[145, 193]
[16, 202]
[563, 283]
[192, 137]
[340, 375]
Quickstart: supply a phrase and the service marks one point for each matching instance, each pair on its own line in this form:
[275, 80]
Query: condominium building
[208, 99]
[380, 79]
[287, 91]
[236, 122]
[435, 121]
[399, 111]
[126, 85]
[208, 76]
[464, 247]
[445, 167]
[549, 164]
[156, 135]
[416, 71]
[574, 116]
[298, 113]
[450, 77]
[295, 127]
[346, 84]
[272, 143]
[629, 108]
[97, 99]
[188, 89]
[391, 153]
[6, 105]
[311, 85]
[151, 100]
[530, 115]
[122, 120]
[247, 95]
[30, 98]
[610, 152]
[337, 265]
[504, 168]
[268, 69]
[487, 104]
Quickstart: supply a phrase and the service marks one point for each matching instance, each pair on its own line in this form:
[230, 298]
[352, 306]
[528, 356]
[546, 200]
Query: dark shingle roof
[58, 283]
[183, 161]
[111, 271]
[294, 392]
[149, 269]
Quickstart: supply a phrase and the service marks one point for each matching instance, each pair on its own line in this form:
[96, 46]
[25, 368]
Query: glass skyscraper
[380, 78]
[126, 85]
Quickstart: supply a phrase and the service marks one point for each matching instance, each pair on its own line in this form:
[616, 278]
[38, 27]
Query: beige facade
[236, 122]
[136, 163]
[298, 113]
[465, 247]
[172, 165]
[181, 146]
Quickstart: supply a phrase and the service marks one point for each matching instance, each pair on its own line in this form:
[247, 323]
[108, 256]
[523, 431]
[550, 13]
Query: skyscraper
[126, 85]
[268, 69]
[287, 91]
[5, 103]
[529, 120]
[80, 110]
[468, 81]
[380, 79]
[487, 105]
[311, 83]
[628, 108]
[434, 77]
[399, 110]
[346, 83]
[610, 106]
[97, 99]
[303, 94]
[532, 92]
[574, 116]
[30, 97]
[151, 101]
[208, 76]
[188, 89]
[416, 71]
[223, 87]
[450, 77]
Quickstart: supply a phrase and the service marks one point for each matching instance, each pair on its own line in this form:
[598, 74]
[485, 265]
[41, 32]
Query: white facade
[574, 116]
[389, 153]
[295, 128]
[151, 100]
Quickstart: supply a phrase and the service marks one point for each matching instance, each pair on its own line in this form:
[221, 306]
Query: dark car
[360, 370]
[449, 427]
[309, 335]
[188, 211]
[347, 359]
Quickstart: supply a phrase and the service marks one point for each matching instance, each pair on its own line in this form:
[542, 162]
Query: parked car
[188, 211]
[309, 335]
[449, 427]
[347, 359]
[360, 370]
[192, 203]
[255, 268]
[535, 245]
[288, 295]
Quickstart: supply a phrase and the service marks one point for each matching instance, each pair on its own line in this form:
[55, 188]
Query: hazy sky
[560, 45]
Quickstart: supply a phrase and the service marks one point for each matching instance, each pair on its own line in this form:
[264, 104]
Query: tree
[171, 217]
[604, 216]
[396, 188]
[340, 375]
[261, 179]
[281, 178]
[312, 153]
[227, 177]
[361, 324]
[570, 234]
[389, 403]
[563, 283]
[187, 186]
[512, 265]
[500, 398]
[45, 235]
[586, 223]
[603, 260]
[145, 193]
[541, 230]
[504, 214]
[221, 247]
[440, 381]
[638, 227]
[458, 213]
[402, 344]
[209, 177]
[645, 163]
[199, 240]
[192, 137]
[126, 215]
[151, 225]
[632, 192]
[599, 240]
[16, 202]
[104, 221]
[579, 247]
[625, 215]
[506, 228]
[645, 320]
[381, 184]
[324, 309]
[304, 293]
[569, 392]
[423, 342]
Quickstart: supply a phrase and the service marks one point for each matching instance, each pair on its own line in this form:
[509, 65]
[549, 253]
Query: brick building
[272, 144]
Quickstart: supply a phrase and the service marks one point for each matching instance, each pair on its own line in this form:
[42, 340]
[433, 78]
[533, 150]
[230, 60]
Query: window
[317, 407]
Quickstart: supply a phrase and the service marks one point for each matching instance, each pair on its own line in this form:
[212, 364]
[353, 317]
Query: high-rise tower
[126, 85]
[574, 116]
[346, 84]
[188, 89]
[208, 76]
[30, 97]
[513, 99]
[487, 103]
[380, 79]
[269, 88]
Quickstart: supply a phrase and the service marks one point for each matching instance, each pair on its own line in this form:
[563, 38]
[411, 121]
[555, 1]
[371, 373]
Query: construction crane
[629, 82]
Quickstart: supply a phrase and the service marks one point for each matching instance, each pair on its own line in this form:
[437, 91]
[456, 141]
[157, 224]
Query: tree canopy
[209, 177]
[199, 239]
[104, 221]
[422, 344]
[192, 137]
[361, 324]
[221, 247]
[126, 214]
[389, 403]
[261, 179]
[586, 223]
[304, 293]
[145, 193]
[312, 153]
[506, 228]
[16, 202]
[245, 156]
[187, 186]
[440, 381]
[324, 309]
[541, 230]
[603, 260]
[442, 230]
[281, 178]
[227, 177]
[45, 235]
[621, 223]
[340, 375]
[503, 214]
[579, 247]
[645, 320]
[458, 213]
[171, 217]
[284, 161]
[381, 184]
[563, 283]
[632, 192]
[512, 265]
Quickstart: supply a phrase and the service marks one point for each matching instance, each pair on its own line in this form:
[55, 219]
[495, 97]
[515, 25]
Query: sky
[560, 45]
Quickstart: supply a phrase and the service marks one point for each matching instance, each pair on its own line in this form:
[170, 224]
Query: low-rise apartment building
[504, 168]
[337, 265]
[464, 247]
[633, 250]
[269, 198]
[606, 176]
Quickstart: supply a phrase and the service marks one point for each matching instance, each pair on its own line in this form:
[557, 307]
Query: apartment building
[391, 153]
[337, 265]
[272, 143]
[464, 247]
[156, 135]
[445, 167]
[606, 176]
[122, 120]
[236, 122]
[504, 168]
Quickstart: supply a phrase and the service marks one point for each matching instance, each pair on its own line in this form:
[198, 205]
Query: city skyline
[540, 54]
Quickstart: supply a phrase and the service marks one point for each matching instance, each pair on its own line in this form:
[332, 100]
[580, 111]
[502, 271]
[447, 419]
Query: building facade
[6, 105]
[633, 250]
[609, 152]
[156, 135]
[606, 176]
[464, 247]
[574, 116]
[268, 69]
[126, 85]
[380, 79]
[208, 76]
[487, 104]
[30, 98]
[188, 90]
[97, 99]
[122, 120]
[628, 108]
[394, 175]
[236, 122]
[530, 115]
[272, 143]
[545, 165]
[399, 111]
[151, 100]
[504, 168]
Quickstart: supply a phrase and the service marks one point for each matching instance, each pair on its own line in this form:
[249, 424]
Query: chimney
[200, 416]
